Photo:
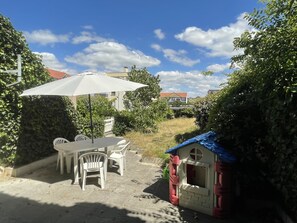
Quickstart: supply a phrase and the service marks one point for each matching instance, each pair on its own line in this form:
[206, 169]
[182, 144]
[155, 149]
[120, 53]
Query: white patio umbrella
[84, 84]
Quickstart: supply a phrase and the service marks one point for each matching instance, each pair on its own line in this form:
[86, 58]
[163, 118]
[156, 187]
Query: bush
[202, 109]
[142, 119]
[177, 103]
[123, 123]
[184, 112]
[261, 129]
[43, 119]
[101, 109]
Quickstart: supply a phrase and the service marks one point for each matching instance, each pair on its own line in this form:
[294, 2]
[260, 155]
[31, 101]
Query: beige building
[118, 96]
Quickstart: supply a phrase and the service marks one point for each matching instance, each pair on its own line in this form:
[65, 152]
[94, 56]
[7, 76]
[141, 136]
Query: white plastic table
[85, 145]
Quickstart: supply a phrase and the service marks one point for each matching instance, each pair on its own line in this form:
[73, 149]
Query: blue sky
[174, 39]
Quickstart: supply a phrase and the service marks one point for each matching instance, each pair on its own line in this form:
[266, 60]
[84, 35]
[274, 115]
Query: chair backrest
[123, 148]
[122, 142]
[93, 160]
[81, 137]
[59, 141]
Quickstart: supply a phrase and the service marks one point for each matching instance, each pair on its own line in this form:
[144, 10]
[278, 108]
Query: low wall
[20, 171]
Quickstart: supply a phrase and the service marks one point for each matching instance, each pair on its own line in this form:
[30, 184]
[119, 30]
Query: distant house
[175, 96]
[118, 96]
[212, 91]
[57, 74]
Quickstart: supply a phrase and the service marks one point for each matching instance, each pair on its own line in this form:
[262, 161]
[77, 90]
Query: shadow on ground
[18, 209]
[159, 191]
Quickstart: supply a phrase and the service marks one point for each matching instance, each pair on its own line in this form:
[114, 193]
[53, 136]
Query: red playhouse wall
[222, 190]
[173, 179]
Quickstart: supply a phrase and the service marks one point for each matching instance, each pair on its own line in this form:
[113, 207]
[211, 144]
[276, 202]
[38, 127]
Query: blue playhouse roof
[208, 141]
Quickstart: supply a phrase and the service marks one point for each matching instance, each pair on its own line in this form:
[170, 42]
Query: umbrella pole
[91, 119]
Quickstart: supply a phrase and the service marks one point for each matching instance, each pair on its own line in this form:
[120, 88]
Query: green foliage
[24, 136]
[33, 73]
[202, 109]
[165, 173]
[41, 125]
[177, 103]
[192, 101]
[142, 119]
[144, 104]
[142, 96]
[184, 112]
[146, 119]
[160, 110]
[256, 112]
[207, 73]
[101, 109]
[123, 123]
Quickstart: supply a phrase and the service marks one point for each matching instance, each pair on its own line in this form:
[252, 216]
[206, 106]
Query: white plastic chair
[123, 141]
[62, 155]
[119, 156]
[93, 162]
[80, 137]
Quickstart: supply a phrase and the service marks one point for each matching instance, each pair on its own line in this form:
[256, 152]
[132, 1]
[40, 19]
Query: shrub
[43, 119]
[184, 112]
[202, 109]
[101, 109]
[141, 119]
[123, 123]
[257, 111]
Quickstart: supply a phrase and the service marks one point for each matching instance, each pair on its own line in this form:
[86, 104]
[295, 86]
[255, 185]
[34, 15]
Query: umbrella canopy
[84, 84]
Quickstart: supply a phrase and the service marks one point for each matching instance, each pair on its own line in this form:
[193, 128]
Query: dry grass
[155, 144]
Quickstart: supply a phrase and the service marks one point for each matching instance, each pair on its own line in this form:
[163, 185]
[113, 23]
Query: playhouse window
[196, 175]
[196, 154]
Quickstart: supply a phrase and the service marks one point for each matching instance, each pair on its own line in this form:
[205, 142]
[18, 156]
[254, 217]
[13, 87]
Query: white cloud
[219, 42]
[111, 56]
[156, 47]
[87, 37]
[192, 82]
[159, 34]
[45, 36]
[176, 56]
[179, 57]
[89, 27]
[218, 67]
[51, 61]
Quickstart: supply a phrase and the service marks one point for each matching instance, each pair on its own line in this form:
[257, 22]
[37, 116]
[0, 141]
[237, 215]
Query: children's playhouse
[200, 175]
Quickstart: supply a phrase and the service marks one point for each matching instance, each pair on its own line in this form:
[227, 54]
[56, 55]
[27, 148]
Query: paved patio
[141, 195]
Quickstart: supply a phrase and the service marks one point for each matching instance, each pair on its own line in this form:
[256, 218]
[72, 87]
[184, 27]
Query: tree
[256, 112]
[144, 105]
[143, 96]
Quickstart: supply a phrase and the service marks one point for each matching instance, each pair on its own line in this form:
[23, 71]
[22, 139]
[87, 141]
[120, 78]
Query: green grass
[170, 133]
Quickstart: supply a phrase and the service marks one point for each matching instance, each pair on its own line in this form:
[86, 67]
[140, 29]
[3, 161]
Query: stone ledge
[157, 161]
[20, 171]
